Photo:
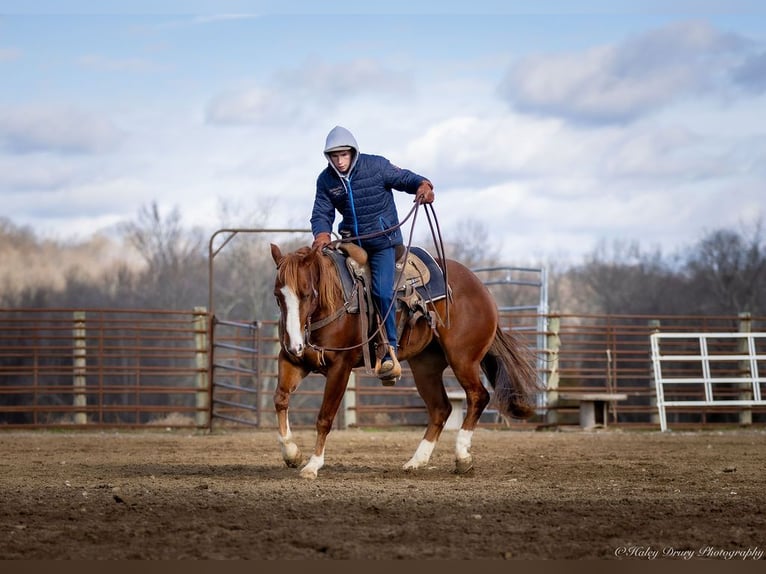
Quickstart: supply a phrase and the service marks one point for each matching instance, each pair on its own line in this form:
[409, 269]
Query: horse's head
[304, 284]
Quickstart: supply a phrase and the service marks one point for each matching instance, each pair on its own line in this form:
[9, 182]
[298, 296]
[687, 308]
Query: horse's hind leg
[427, 369]
[477, 399]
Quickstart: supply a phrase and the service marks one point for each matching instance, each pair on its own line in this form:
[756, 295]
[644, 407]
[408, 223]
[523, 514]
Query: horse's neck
[333, 298]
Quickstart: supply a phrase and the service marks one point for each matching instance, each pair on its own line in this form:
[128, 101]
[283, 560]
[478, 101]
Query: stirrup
[388, 371]
[389, 382]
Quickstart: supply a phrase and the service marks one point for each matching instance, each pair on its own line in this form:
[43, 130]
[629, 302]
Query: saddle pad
[420, 266]
[423, 273]
[346, 280]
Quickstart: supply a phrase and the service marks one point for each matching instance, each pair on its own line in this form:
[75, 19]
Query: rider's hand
[321, 241]
[425, 193]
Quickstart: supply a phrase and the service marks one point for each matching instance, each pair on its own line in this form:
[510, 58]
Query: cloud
[622, 82]
[310, 90]
[31, 129]
[250, 106]
[333, 82]
[751, 74]
[28, 172]
[476, 150]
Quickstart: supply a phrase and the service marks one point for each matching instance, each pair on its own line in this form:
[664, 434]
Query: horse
[308, 291]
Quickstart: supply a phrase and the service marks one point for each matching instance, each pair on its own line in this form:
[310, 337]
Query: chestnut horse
[308, 290]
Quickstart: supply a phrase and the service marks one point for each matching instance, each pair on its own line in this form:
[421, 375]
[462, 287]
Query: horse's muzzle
[295, 351]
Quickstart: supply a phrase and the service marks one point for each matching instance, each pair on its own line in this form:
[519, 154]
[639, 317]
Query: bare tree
[727, 271]
[175, 259]
[619, 278]
[468, 244]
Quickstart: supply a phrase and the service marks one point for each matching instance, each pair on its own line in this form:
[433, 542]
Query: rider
[359, 186]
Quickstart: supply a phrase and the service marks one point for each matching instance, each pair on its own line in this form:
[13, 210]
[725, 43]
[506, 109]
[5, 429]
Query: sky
[547, 127]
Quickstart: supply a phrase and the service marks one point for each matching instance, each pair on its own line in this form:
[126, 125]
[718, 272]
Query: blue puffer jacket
[363, 196]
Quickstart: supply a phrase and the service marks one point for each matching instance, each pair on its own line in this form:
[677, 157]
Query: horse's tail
[510, 368]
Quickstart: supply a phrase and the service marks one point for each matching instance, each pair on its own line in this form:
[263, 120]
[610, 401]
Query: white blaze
[293, 322]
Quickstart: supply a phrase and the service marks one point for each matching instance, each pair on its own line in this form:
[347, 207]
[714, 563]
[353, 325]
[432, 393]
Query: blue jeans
[383, 270]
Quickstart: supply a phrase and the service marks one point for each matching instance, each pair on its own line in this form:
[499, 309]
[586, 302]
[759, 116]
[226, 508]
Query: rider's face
[341, 160]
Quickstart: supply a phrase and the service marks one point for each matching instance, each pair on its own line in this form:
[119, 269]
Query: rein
[440, 259]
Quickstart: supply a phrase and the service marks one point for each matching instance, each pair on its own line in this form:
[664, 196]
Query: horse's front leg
[335, 387]
[290, 377]
[427, 369]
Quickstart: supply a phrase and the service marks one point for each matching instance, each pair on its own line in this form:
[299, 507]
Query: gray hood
[340, 137]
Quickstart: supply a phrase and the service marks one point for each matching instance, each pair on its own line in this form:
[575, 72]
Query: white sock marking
[289, 448]
[422, 455]
[313, 466]
[463, 444]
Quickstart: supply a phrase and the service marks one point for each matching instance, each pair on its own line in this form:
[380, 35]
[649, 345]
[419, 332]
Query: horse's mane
[323, 272]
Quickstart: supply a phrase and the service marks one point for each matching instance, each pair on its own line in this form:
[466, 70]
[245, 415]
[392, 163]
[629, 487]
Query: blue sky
[555, 125]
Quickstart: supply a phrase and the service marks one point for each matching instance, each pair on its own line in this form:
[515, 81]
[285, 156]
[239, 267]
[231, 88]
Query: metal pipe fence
[100, 368]
[106, 368]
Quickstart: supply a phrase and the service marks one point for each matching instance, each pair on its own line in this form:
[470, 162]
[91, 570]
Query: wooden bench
[593, 406]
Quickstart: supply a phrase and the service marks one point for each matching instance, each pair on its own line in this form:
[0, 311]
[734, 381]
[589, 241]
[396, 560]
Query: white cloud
[250, 106]
[482, 149]
[29, 129]
[308, 91]
[622, 82]
[751, 74]
[29, 172]
[542, 184]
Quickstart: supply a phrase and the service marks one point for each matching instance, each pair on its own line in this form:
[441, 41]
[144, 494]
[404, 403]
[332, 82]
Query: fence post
[745, 326]
[553, 344]
[654, 416]
[202, 415]
[79, 380]
[348, 412]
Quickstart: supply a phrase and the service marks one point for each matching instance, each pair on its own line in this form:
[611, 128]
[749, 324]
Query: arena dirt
[227, 495]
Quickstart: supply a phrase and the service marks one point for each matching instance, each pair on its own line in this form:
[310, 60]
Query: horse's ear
[276, 254]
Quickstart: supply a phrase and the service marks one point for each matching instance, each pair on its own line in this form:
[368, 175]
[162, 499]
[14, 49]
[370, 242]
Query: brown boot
[389, 370]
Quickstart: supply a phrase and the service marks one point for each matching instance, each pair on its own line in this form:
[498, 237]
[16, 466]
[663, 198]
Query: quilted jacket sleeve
[323, 212]
[400, 179]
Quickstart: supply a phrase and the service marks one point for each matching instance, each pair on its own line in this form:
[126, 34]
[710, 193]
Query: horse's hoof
[291, 454]
[462, 466]
[308, 473]
[413, 465]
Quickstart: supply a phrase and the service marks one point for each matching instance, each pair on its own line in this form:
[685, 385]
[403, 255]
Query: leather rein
[343, 309]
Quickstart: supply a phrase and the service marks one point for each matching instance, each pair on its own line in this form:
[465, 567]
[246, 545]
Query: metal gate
[242, 362]
[235, 371]
[709, 370]
[534, 299]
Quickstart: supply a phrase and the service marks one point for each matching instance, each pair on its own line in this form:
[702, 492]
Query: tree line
[158, 263]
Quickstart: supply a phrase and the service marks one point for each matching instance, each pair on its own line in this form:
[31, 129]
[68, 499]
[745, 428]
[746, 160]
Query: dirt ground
[533, 495]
